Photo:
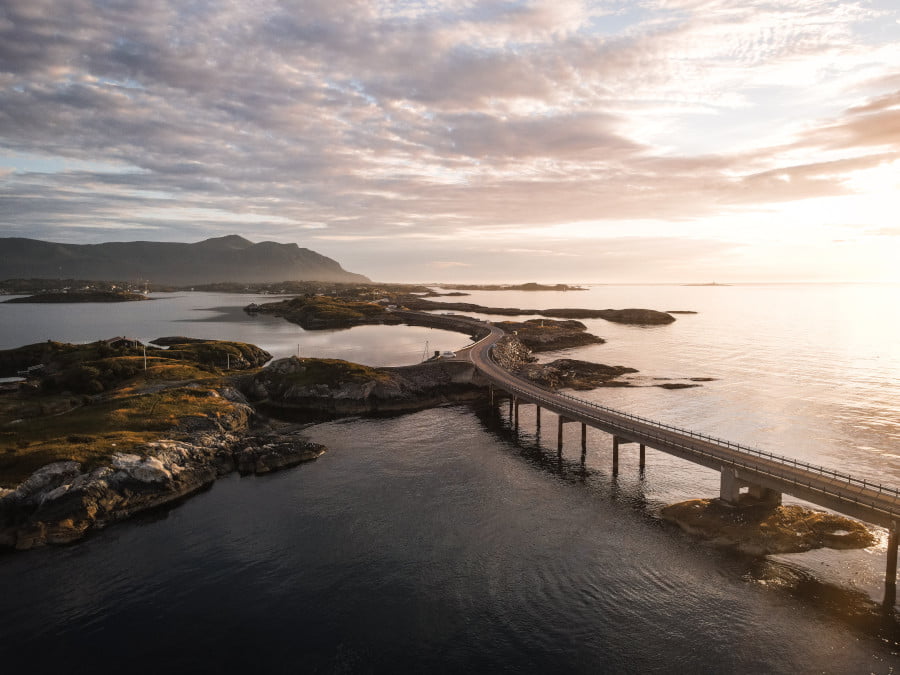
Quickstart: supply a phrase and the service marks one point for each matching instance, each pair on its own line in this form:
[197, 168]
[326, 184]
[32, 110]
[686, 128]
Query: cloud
[364, 122]
[447, 264]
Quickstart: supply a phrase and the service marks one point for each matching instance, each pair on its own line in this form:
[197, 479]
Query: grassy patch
[95, 400]
[92, 433]
[324, 311]
[332, 372]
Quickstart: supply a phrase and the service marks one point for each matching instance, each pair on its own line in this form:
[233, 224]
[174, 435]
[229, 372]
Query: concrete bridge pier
[559, 432]
[515, 402]
[730, 485]
[617, 441]
[642, 459]
[890, 574]
[537, 413]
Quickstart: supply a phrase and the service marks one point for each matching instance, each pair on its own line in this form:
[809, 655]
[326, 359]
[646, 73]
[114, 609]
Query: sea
[447, 540]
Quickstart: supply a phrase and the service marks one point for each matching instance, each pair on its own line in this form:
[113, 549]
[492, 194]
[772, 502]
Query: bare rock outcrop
[574, 374]
[60, 502]
[764, 530]
[340, 387]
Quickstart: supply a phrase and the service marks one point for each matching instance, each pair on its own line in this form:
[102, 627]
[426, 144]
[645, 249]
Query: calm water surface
[216, 316]
[444, 541]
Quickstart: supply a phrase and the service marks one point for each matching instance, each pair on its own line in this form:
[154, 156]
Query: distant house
[121, 342]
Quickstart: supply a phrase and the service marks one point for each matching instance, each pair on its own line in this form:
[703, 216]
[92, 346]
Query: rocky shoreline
[330, 387]
[216, 422]
[62, 502]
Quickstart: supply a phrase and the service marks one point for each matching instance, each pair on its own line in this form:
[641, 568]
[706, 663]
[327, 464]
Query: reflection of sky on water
[807, 370]
[217, 316]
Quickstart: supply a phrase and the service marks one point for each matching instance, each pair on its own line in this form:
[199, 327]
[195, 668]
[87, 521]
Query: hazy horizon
[673, 141]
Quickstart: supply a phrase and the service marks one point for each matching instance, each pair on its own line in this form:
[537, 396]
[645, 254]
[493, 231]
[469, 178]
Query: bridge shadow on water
[632, 490]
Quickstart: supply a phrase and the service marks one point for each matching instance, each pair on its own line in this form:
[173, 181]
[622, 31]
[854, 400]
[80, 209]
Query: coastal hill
[230, 258]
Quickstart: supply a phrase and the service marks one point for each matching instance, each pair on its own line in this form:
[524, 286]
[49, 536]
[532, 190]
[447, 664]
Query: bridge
[762, 475]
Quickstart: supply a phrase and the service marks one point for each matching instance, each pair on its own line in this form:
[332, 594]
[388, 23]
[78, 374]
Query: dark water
[430, 542]
[441, 541]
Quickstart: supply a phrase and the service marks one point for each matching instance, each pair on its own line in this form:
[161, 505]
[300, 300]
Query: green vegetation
[90, 401]
[322, 311]
[216, 353]
[333, 372]
[91, 433]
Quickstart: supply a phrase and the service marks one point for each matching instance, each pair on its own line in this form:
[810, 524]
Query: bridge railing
[846, 478]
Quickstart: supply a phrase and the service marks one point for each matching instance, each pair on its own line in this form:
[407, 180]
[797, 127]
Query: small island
[81, 296]
[758, 529]
[530, 286]
[101, 431]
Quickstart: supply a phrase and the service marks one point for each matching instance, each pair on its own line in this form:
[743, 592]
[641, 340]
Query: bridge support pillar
[765, 495]
[559, 433]
[643, 458]
[538, 417]
[730, 490]
[516, 414]
[615, 467]
[890, 574]
[491, 390]
[583, 437]
[729, 486]
[510, 408]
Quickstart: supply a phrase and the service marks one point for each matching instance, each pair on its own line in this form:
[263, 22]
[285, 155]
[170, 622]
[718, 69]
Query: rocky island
[530, 286]
[81, 296]
[632, 316]
[758, 529]
[547, 334]
[101, 431]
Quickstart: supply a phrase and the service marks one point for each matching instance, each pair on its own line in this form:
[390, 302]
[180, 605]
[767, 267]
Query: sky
[463, 140]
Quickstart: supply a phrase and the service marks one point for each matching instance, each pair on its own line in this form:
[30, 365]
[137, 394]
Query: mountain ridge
[230, 258]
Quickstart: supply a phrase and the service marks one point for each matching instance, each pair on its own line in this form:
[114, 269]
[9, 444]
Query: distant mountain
[231, 258]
